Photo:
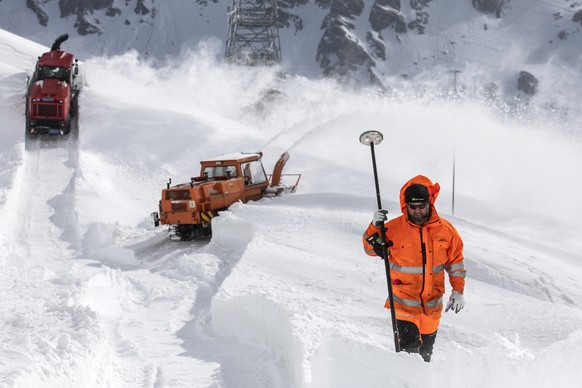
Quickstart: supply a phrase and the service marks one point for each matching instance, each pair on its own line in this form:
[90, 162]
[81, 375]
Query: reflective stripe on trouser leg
[427, 323]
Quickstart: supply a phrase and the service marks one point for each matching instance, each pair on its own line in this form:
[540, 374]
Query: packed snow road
[38, 253]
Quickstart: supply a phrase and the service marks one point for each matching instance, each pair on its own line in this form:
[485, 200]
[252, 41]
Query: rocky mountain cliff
[365, 41]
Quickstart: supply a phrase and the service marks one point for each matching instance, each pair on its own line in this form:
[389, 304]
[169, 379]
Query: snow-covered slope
[282, 295]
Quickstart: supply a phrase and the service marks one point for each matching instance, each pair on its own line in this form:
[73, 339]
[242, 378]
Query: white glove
[379, 217]
[456, 302]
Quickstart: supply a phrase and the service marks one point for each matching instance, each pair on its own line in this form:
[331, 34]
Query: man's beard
[418, 220]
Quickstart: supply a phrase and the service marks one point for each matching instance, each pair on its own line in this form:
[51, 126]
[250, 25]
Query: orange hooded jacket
[418, 259]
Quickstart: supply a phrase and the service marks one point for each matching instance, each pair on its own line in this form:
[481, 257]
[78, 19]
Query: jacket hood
[433, 190]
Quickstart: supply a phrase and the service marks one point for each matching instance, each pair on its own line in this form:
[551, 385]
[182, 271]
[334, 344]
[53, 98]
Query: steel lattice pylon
[253, 35]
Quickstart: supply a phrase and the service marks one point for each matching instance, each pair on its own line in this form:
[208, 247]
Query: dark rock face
[40, 14]
[490, 6]
[75, 7]
[84, 27]
[377, 44]
[421, 15]
[355, 35]
[347, 8]
[83, 8]
[386, 13]
[343, 54]
[286, 17]
[340, 54]
[205, 2]
[527, 83]
[140, 8]
[112, 11]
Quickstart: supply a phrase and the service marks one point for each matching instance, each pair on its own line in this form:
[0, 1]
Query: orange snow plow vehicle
[188, 208]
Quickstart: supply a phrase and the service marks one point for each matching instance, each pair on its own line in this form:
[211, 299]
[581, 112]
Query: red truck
[53, 94]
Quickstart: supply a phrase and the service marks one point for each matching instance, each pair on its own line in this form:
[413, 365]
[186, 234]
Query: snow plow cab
[52, 95]
[188, 208]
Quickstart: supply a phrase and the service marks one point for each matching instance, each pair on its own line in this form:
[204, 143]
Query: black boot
[425, 349]
[408, 336]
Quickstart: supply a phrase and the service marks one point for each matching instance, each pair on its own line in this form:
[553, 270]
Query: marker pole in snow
[372, 138]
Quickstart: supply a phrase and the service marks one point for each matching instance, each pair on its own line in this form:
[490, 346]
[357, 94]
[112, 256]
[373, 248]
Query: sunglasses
[418, 206]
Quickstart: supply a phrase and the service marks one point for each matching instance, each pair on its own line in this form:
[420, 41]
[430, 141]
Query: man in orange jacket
[422, 247]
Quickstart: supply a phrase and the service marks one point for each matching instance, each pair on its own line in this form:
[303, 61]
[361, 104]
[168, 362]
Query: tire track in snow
[173, 290]
[48, 175]
[42, 326]
[140, 310]
[242, 365]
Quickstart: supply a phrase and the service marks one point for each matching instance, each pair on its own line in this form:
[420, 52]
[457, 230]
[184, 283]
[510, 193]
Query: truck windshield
[220, 171]
[177, 195]
[253, 173]
[52, 72]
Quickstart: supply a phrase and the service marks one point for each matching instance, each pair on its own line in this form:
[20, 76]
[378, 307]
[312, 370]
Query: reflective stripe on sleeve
[456, 270]
[455, 267]
[370, 252]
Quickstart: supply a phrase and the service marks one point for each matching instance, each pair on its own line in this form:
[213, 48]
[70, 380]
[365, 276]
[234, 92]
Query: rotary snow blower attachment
[188, 208]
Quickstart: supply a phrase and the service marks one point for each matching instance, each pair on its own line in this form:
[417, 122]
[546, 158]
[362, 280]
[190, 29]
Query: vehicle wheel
[184, 232]
[74, 106]
[68, 125]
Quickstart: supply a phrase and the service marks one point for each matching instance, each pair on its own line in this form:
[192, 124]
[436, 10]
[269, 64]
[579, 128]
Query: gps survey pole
[372, 138]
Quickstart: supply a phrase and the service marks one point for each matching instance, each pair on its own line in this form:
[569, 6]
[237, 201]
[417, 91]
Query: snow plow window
[220, 171]
[177, 195]
[253, 173]
[53, 72]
